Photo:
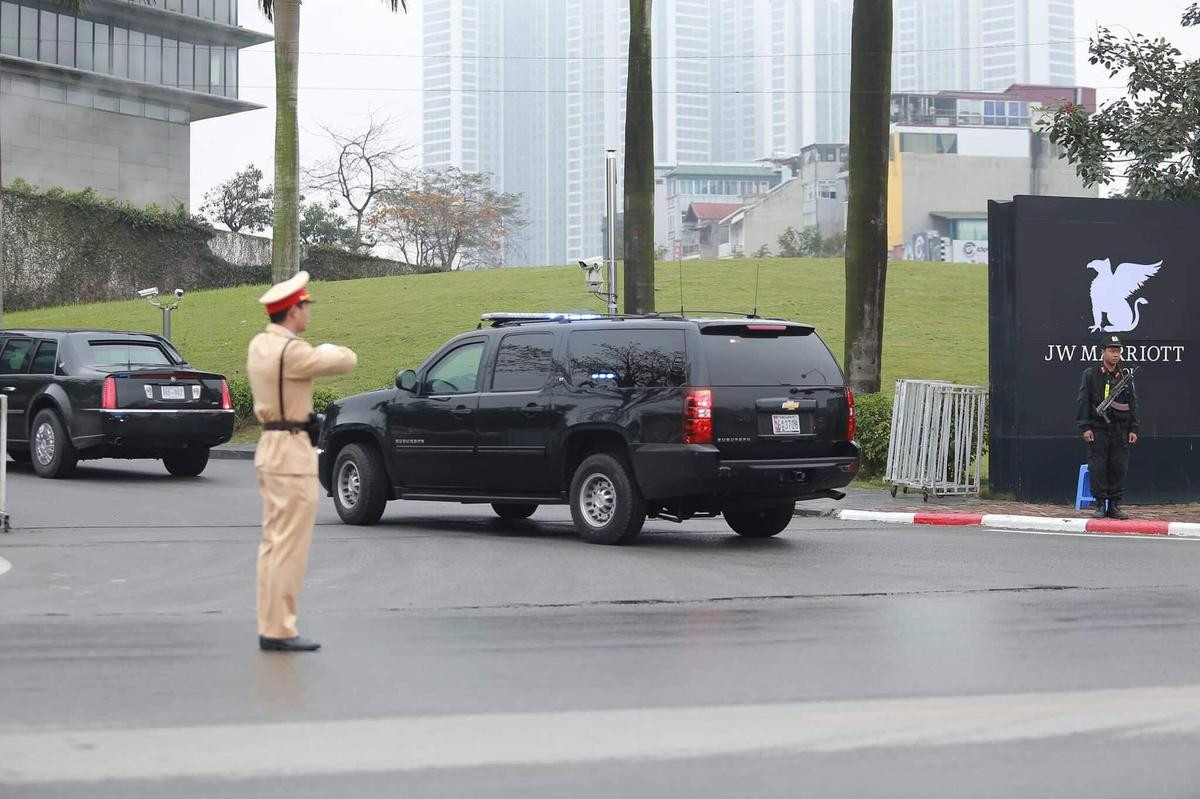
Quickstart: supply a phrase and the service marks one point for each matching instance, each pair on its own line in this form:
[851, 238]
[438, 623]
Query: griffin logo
[790, 405]
[1111, 291]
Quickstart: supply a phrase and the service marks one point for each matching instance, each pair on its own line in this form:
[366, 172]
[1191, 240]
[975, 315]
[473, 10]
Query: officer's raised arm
[327, 359]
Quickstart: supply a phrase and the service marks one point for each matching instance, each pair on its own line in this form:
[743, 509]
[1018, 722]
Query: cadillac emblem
[790, 405]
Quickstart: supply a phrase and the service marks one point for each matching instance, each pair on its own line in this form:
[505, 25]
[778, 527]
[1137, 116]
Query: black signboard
[1062, 272]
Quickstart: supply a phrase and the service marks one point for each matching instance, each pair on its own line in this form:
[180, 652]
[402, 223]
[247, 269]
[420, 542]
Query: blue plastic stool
[1083, 490]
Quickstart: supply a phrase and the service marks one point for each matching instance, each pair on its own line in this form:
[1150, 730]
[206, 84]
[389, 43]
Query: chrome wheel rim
[598, 500]
[349, 484]
[43, 443]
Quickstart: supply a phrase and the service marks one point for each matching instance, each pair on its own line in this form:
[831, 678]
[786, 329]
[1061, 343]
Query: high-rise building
[989, 45]
[104, 98]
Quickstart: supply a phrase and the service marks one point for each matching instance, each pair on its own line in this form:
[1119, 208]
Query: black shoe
[1100, 512]
[1115, 512]
[293, 644]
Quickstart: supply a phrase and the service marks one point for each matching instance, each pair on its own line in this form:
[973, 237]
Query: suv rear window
[114, 353]
[627, 358]
[764, 355]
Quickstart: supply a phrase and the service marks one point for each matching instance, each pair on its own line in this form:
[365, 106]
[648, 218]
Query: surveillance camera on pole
[149, 294]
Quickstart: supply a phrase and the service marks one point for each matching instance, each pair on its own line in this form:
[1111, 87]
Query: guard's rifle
[1107, 402]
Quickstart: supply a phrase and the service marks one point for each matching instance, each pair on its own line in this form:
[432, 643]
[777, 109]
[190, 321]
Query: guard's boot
[1115, 512]
[1101, 512]
[293, 644]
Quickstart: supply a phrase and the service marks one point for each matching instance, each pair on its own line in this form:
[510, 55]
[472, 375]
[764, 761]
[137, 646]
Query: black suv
[622, 418]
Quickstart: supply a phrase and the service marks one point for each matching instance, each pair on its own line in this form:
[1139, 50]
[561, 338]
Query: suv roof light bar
[497, 319]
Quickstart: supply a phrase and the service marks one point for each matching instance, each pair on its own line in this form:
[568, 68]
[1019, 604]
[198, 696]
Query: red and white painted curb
[1040, 523]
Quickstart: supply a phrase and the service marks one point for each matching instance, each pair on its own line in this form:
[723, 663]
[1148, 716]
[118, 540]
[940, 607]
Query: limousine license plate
[783, 424]
[172, 392]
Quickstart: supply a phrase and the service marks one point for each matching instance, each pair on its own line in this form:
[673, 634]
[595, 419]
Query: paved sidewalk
[880, 499]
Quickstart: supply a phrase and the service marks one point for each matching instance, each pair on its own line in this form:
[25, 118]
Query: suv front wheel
[606, 506]
[761, 522]
[359, 490]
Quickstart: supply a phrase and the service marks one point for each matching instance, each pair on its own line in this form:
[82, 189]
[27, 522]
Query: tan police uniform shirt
[281, 451]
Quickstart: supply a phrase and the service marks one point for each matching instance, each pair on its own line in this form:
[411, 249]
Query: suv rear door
[514, 415]
[778, 392]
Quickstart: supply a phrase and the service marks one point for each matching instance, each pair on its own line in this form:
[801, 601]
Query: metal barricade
[4, 523]
[936, 443]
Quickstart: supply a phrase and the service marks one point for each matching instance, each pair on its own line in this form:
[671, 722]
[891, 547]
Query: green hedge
[873, 422]
[243, 400]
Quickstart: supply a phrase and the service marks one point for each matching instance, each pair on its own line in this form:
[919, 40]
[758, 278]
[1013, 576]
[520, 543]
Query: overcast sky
[357, 58]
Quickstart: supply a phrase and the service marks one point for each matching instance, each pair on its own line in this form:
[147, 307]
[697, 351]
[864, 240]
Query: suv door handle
[461, 410]
[532, 409]
[9, 389]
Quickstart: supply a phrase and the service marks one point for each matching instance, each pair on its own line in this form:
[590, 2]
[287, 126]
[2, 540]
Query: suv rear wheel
[606, 506]
[53, 453]
[762, 522]
[359, 490]
[514, 510]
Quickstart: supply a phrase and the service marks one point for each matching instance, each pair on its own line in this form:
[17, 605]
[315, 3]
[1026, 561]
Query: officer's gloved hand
[327, 346]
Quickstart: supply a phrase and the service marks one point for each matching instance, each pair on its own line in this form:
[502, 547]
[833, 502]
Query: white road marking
[4, 565]
[1121, 536]
[241, 751]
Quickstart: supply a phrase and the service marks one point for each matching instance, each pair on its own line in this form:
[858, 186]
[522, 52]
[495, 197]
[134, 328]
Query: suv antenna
[757, 273]
[681, 288]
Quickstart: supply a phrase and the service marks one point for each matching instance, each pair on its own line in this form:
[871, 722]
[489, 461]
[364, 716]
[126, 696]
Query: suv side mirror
[407, 381]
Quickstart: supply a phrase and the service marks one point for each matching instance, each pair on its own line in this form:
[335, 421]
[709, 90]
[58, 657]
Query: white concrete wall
[134, 159]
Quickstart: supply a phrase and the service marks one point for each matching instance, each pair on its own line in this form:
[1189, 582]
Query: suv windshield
[739, 355]
[112, 353]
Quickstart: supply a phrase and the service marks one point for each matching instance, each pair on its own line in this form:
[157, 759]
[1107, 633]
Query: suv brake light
[226, 400]
[850, 423]
[697, 416]
[108, 393]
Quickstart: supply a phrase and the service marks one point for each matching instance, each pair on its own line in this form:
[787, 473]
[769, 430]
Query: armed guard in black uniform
[1107, 413]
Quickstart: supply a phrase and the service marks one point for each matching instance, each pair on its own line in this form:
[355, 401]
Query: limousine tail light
[697, 416]
[851, 424]
[108, 393]
[226, 400]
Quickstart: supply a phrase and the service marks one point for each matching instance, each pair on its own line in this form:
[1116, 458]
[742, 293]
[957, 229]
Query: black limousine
[84, 394]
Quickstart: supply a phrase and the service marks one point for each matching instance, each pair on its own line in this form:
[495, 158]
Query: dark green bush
[873, 414]
[243, 400]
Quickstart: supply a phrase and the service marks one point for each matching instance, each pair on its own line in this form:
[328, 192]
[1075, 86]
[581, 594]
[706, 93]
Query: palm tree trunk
[285, 235]
[639, 165]
[866, 223]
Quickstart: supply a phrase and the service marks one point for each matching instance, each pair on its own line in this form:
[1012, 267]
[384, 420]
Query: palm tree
[285, 243]
[639, 165]
[866, 221]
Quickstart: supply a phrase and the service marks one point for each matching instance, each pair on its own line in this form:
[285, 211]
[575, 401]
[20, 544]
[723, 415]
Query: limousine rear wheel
[359, 487]
[187, 462]
[53, 453]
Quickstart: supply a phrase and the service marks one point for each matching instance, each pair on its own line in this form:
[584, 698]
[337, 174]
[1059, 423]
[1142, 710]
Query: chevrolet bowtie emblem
[791, 405]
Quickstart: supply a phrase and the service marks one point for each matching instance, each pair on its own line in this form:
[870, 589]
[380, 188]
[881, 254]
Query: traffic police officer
[281, 367]
[1108, 439]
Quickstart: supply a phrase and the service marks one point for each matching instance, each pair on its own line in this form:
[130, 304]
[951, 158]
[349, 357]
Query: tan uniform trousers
[289, 512]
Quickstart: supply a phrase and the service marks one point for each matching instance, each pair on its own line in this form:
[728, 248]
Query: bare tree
[368, 163]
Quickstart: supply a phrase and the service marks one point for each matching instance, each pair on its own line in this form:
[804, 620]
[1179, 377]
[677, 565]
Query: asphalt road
[466, 656]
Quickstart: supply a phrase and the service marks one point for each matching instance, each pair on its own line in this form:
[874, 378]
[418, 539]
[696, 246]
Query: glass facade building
[170, 61]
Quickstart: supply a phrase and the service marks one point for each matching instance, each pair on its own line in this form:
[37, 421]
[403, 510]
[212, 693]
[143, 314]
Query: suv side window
[14, 359]
[44, 361]
[456, 372]
[627, 358]
[523, 362]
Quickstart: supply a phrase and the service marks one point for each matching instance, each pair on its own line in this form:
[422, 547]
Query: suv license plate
[172, 392]
[785, 424]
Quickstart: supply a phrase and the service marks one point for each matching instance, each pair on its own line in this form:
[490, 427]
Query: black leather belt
[291, 427]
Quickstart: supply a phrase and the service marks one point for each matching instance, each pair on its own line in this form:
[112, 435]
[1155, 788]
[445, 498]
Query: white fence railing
[936, 445]
[4, 524]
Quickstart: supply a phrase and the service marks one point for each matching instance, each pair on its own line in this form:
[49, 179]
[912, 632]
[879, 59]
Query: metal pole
[166, 309]
[610, 204]
[3, 462]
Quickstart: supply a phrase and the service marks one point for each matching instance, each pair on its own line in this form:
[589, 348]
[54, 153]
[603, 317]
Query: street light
[149, 295]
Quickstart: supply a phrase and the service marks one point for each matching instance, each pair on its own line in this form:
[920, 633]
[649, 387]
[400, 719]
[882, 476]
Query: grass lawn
[936, 314]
